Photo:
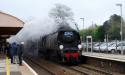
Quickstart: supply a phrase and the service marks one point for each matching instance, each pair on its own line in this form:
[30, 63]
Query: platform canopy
[9, 25]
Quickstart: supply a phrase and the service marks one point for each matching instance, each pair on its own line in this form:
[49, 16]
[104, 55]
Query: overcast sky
[92, 10]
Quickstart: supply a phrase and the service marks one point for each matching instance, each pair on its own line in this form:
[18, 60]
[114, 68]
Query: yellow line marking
[7, 66]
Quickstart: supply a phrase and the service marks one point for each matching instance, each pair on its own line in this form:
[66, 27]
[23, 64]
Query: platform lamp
[83, 25]
[83, 29]
[121, 32]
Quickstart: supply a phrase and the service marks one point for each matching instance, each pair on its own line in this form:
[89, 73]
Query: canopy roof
[9, 25]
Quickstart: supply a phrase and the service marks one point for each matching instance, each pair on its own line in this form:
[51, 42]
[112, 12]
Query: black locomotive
[64, 45]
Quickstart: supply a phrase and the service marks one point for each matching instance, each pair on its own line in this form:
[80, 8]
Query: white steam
[36, 28]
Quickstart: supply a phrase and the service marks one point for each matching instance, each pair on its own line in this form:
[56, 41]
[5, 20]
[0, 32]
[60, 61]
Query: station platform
[113, 57]
[6, 68]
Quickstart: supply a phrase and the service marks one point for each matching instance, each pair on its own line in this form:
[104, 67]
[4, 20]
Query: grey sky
[92, 10]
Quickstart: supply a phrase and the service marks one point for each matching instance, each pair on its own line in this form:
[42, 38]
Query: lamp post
[121, 32]
[83, 28]
[83, 33]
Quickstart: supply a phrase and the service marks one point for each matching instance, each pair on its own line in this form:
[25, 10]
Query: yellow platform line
[7, 66]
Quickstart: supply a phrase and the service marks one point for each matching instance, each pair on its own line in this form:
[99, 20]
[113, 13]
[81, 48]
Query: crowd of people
[13, 51]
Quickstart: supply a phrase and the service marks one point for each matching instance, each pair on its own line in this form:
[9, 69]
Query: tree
[111, 27]
[61, 14]
[95, 34]
[114, 27]
[106, 26]
[100, 33]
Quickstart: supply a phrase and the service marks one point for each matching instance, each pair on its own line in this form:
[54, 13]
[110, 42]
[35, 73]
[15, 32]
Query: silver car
[120, 47]
[116, 47]
[96, 47]
[106, 46]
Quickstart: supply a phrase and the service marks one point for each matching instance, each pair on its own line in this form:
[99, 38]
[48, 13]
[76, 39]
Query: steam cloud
[36, 28]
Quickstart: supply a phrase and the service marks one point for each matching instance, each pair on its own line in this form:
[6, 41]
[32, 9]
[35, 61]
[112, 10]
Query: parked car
[112, 48]
[116, 47]
[96, 46]
[120, 47]
[105, 46]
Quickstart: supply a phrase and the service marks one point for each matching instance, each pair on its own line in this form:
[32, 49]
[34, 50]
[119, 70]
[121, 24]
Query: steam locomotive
[64, 45]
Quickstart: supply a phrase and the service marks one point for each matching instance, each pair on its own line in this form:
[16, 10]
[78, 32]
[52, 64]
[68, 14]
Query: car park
[116, 47]
[112, 48]
[96, 46]
[120, 47]
[104, 47]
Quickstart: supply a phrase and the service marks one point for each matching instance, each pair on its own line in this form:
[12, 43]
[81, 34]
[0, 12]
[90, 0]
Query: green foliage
[90, 31]
[114, 29]
[110, 27]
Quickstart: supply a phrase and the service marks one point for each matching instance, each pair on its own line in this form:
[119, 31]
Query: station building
[9, 25]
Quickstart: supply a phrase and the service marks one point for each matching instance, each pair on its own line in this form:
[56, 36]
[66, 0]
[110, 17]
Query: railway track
[51, 68]
[90, 70]
[38, 68]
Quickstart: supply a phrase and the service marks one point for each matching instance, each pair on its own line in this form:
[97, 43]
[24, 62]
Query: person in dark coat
[20, 52]
[8, 47]
[13, 52]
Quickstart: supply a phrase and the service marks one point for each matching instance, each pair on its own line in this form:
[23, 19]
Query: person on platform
[20, 52]
[8, 47]
[13, 52]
